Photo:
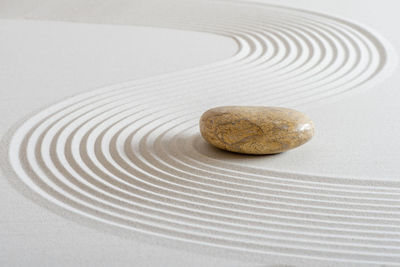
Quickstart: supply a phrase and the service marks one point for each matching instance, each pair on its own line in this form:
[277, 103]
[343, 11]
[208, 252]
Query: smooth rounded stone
[255, 130]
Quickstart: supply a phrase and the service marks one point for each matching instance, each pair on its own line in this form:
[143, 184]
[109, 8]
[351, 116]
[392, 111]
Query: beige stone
[255, 130]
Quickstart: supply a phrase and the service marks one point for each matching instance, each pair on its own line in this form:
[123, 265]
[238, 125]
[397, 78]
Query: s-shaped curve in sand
[129, 158]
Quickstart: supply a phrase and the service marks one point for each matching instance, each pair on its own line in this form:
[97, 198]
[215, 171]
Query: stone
[255, 129]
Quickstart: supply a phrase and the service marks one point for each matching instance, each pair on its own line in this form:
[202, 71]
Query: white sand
[126, 169]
